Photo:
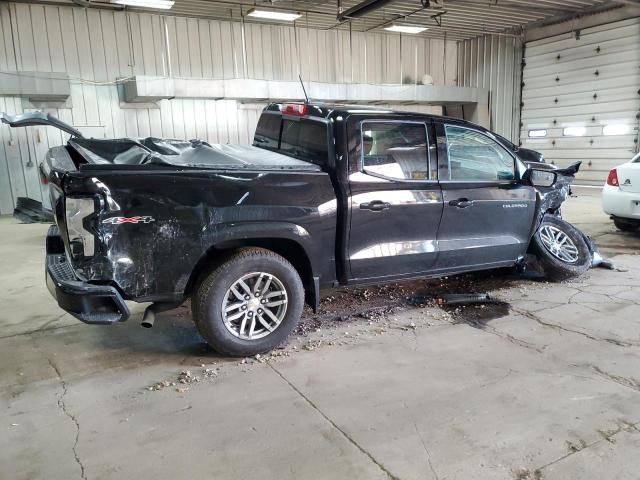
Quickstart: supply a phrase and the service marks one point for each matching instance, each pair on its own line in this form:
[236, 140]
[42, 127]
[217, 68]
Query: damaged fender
[551, 198]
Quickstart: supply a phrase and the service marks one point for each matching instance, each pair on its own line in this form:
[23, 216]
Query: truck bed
[179, 153]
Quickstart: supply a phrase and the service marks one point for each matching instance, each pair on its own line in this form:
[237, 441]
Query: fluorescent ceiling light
[574, 131]
[537, 133]
[619, 129]
[273, 14]
[406, 28]
[159, 4]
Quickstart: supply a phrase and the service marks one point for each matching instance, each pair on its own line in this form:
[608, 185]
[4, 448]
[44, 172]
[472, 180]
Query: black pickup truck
[326, 196]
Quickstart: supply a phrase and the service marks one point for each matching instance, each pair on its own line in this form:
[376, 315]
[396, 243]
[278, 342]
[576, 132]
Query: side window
[395, 150]
[267, 132]
[476, 157]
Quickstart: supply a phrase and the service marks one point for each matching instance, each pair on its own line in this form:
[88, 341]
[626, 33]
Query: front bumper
[97, 304]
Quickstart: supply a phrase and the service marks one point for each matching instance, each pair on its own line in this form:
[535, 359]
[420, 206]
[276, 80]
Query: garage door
[581, 98]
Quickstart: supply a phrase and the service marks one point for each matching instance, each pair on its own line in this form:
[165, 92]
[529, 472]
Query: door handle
[461, 203]
[375, 206]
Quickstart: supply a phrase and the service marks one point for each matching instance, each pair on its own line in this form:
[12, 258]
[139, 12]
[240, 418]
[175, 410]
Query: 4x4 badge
[121, 220]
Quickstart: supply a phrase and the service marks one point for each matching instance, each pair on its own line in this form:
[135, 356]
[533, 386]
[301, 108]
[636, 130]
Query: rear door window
[395, 150]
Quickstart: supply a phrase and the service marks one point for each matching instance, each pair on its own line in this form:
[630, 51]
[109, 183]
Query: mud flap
[312, 295]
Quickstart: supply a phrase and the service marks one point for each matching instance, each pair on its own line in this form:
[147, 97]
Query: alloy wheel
[558, 244]
[254, 306]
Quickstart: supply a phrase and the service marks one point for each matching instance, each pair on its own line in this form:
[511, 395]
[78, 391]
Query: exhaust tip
[148, 318]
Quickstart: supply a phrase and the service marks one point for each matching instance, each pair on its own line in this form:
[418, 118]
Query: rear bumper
[96, 304]
[619, 203]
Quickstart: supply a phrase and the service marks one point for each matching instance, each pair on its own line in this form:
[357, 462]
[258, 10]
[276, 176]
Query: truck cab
[417, 195]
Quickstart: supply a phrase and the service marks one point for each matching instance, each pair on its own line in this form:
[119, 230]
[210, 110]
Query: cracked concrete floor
[549, 388]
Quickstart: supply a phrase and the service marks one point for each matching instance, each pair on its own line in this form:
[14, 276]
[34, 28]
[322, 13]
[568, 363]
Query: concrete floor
[544, 386]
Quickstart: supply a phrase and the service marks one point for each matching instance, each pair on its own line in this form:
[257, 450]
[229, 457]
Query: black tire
[207, 302]
[626, 225]
[556, 269]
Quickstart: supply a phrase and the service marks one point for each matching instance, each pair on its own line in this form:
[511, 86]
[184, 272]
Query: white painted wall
[98, 47]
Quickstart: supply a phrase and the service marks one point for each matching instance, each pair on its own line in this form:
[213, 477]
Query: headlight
[81, 241]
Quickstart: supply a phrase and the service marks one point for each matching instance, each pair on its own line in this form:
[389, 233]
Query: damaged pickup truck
[326, 196]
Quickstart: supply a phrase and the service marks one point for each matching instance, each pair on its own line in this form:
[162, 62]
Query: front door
[488, 213]
[395, 200]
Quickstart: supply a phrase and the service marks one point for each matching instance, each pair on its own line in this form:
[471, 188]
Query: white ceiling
[453, 19]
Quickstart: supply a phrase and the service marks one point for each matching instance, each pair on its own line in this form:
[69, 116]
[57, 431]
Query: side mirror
[539, 178]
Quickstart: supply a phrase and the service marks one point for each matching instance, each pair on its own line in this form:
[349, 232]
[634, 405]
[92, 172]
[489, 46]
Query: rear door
[395, 200]
[488, 214]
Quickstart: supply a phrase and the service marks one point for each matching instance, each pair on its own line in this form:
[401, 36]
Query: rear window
[267, 132]
[306, 140]
[302, 139]
[636, 159]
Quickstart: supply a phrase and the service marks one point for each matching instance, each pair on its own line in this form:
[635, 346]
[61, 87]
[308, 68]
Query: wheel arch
[290, 249]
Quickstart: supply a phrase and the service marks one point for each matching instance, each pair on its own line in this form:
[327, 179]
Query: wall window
[476, 157]
[537, 133]
[574, 131]
[616, 129]
[395, 150]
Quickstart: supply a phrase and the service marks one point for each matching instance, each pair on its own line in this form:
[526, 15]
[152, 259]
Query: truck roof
[332, 110]
[327, 110]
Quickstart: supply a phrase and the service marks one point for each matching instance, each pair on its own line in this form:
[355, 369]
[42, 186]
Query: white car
[621, 195]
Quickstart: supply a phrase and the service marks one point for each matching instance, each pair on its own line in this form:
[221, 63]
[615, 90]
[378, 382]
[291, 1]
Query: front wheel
[249, 304]
[561, 249]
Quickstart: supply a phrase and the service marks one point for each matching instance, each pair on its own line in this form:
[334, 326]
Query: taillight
[297, 109]
[612, 179]
[81, 240]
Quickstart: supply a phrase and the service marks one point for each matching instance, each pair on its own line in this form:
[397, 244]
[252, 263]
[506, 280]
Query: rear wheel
[626, 224]
[249, 304]
[561, 249]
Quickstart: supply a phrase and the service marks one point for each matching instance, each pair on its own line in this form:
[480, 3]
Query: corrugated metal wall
[102, 45]
[582, 98]
[97, 47]
[494, 62]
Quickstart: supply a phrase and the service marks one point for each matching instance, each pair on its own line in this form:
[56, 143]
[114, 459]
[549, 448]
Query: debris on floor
[463, 298]
[597, 260]
[526, 474]
[184, 378]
